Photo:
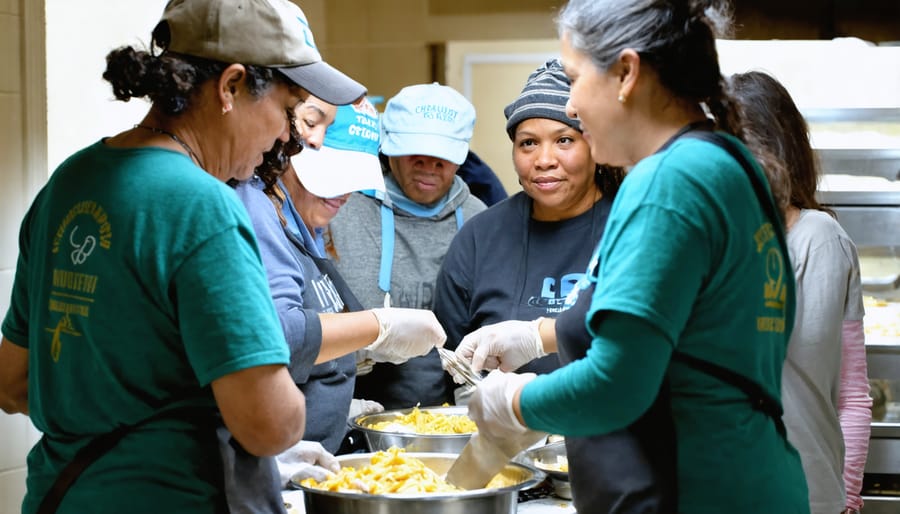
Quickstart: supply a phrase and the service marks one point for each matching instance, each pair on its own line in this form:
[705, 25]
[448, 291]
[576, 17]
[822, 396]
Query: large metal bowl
[382, 440]
[545, 458]
[476, 501]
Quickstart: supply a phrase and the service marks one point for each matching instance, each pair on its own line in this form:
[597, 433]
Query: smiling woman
[520, 259]
[555, 169]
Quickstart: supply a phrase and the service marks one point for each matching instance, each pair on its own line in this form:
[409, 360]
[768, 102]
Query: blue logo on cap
[307, 33]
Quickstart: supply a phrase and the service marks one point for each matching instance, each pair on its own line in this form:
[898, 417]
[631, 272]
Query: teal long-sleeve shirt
[608, 389]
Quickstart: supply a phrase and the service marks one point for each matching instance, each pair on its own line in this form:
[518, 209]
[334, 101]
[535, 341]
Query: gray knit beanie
[544, 96]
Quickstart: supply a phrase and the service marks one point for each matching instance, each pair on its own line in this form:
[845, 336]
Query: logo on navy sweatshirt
[554, 293]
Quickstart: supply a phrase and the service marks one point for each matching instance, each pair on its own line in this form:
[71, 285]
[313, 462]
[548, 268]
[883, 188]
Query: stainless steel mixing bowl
[546, 459]
[382, 440]
[477, 501]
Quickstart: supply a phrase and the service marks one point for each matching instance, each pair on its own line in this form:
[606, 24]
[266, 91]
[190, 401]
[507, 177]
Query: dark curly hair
[170, 79]
[276, 162]
[609, 179]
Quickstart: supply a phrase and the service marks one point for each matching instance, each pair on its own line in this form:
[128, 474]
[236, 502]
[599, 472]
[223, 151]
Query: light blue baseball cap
[428, 119]
[348, 158]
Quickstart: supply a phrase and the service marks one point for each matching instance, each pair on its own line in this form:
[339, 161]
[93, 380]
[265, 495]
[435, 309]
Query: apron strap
[759, 398]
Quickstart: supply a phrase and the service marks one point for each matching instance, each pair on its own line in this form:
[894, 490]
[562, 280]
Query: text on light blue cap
[356, 127]
[428, 119]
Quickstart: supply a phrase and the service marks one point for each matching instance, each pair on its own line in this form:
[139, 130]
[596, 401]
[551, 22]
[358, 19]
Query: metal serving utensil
[460, 366]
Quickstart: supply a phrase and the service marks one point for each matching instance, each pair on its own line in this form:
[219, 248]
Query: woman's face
[314, 116]
[555, 168]
[593, 101]
[256, 123]
[316, 211]
[424, 179]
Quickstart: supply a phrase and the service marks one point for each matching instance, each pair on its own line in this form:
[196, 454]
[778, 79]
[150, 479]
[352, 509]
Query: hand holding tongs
[459, 366]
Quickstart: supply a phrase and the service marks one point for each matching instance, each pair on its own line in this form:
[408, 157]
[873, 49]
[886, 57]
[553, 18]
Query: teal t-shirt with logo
[689, 252]
[138, 283]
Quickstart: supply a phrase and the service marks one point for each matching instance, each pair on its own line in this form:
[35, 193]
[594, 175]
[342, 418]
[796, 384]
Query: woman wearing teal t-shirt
[689, 301]
[140, 315]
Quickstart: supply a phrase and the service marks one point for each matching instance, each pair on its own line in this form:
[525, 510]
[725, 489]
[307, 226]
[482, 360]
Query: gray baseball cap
[270, 33]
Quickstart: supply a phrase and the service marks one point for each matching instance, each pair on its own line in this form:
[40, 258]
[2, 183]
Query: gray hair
[676, 37]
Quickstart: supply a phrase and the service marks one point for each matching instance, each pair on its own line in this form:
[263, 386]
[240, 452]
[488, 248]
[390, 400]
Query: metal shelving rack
[871, 217]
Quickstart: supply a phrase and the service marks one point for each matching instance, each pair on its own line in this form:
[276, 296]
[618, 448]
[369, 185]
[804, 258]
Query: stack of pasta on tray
[390, 471]
[427, 422]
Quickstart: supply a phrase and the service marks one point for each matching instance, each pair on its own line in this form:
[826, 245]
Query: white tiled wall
[16, 432]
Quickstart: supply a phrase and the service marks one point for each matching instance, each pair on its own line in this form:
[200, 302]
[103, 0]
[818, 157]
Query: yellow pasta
[427, 422]
[393, 472]
[871, 301]
[503, 479]
[389, 472]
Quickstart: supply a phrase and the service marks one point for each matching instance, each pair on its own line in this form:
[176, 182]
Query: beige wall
[389, 44]
[491, 74]
[385, 43]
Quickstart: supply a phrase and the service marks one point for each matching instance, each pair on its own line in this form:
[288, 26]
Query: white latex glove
[358, 407]
[491, 408]
[306, 459]
[507, 345]
[404, 334]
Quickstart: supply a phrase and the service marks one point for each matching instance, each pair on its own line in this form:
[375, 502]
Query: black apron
[628, 471]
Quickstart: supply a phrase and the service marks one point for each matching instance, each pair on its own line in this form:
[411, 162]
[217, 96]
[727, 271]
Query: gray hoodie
[421, 236]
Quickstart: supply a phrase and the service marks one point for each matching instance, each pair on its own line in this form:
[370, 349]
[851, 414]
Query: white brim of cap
[325, 82]
[329, 172]
[394, 144]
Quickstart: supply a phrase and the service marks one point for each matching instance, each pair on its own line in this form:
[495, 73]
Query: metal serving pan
[382, 440]
[478, 501]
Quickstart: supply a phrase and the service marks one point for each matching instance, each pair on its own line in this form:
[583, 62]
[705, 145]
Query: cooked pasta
[389, 471]
[394, 472]
[503, 479]
[428, 422]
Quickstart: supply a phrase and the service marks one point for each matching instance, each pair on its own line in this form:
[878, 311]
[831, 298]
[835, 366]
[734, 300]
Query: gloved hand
[404, 334]
[306, 459]
[507, 345]
[359, 407]
[490, 407]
